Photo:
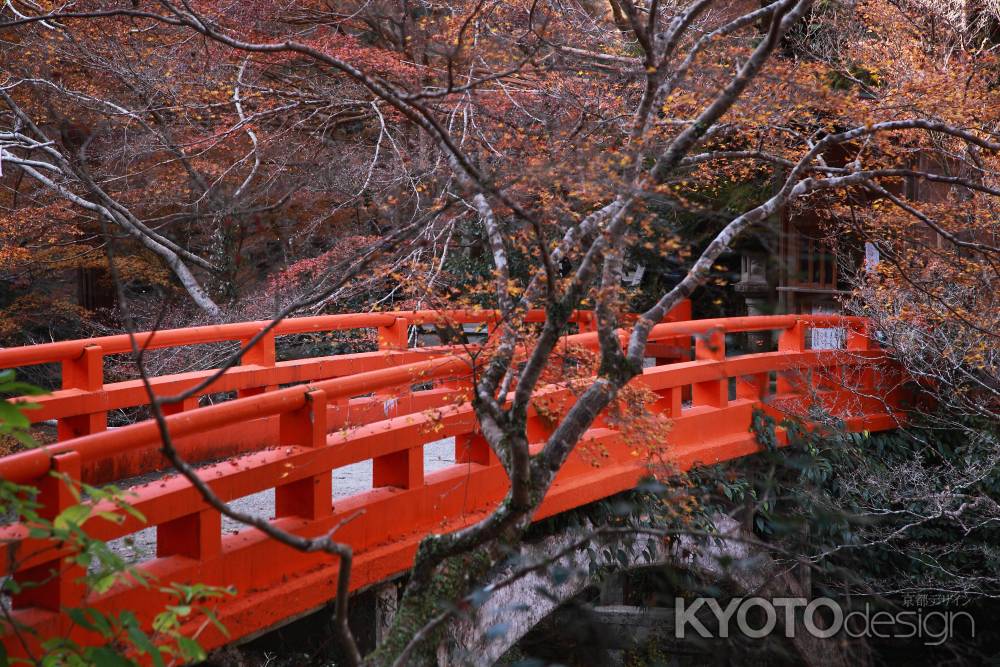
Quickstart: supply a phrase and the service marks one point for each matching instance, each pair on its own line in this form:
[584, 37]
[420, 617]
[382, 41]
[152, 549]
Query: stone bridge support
[515, 607]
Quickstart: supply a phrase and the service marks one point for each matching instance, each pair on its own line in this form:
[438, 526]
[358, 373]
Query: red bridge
[382, 407]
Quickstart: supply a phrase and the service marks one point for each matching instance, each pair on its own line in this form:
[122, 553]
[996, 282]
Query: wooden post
[395, 336]
[263, 353]
[197, 535]
[791, 340]
[186, 405]
[55, 584]
[312, 497]
[670, 402]
[712, 392]
[473, 448]
[403, 469]
[86, 373]
[753, 387]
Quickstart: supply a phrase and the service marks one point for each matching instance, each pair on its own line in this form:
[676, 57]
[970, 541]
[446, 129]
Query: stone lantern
[756, 292]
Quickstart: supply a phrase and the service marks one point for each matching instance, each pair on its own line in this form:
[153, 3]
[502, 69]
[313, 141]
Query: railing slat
[714, 393]
[310, 498]
[791, 340]
[473, 448]
[56, 583]
[395, 336]
[86, 373]
[197, 535]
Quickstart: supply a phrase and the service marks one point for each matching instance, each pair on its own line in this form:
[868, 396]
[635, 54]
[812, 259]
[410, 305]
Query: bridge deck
[382, 408]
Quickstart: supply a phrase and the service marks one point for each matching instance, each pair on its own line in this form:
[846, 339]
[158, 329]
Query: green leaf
[71, 516]
[79, 616]
[164, 621]
[190, 649]
[102, 656]
[142, 642]
[104, 583]
[216, 622]
[9, 385]
[181, 610]
[133, 512]
[12, 416]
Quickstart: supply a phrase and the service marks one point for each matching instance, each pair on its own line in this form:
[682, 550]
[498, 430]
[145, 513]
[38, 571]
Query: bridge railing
[82, 404]
[405, 501]
[82, 361]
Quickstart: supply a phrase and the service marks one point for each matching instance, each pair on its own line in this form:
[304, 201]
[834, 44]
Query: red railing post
[85, 372]
[681, 344]
[395, 336]
[753, 387]
[54, 584]
[711, 347]
[793, 341]
[403, 469]
[473, 448]
[261, 354]
[679, 313]
[197, 535]
[859, 340]
[312, 497]
[669, 403]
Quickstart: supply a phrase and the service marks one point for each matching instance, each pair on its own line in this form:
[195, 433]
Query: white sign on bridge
[827, 338]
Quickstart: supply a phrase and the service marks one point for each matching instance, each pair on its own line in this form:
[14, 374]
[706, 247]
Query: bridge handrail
[82, 403]
[351, 446]
[29, 465]
[60, 351]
